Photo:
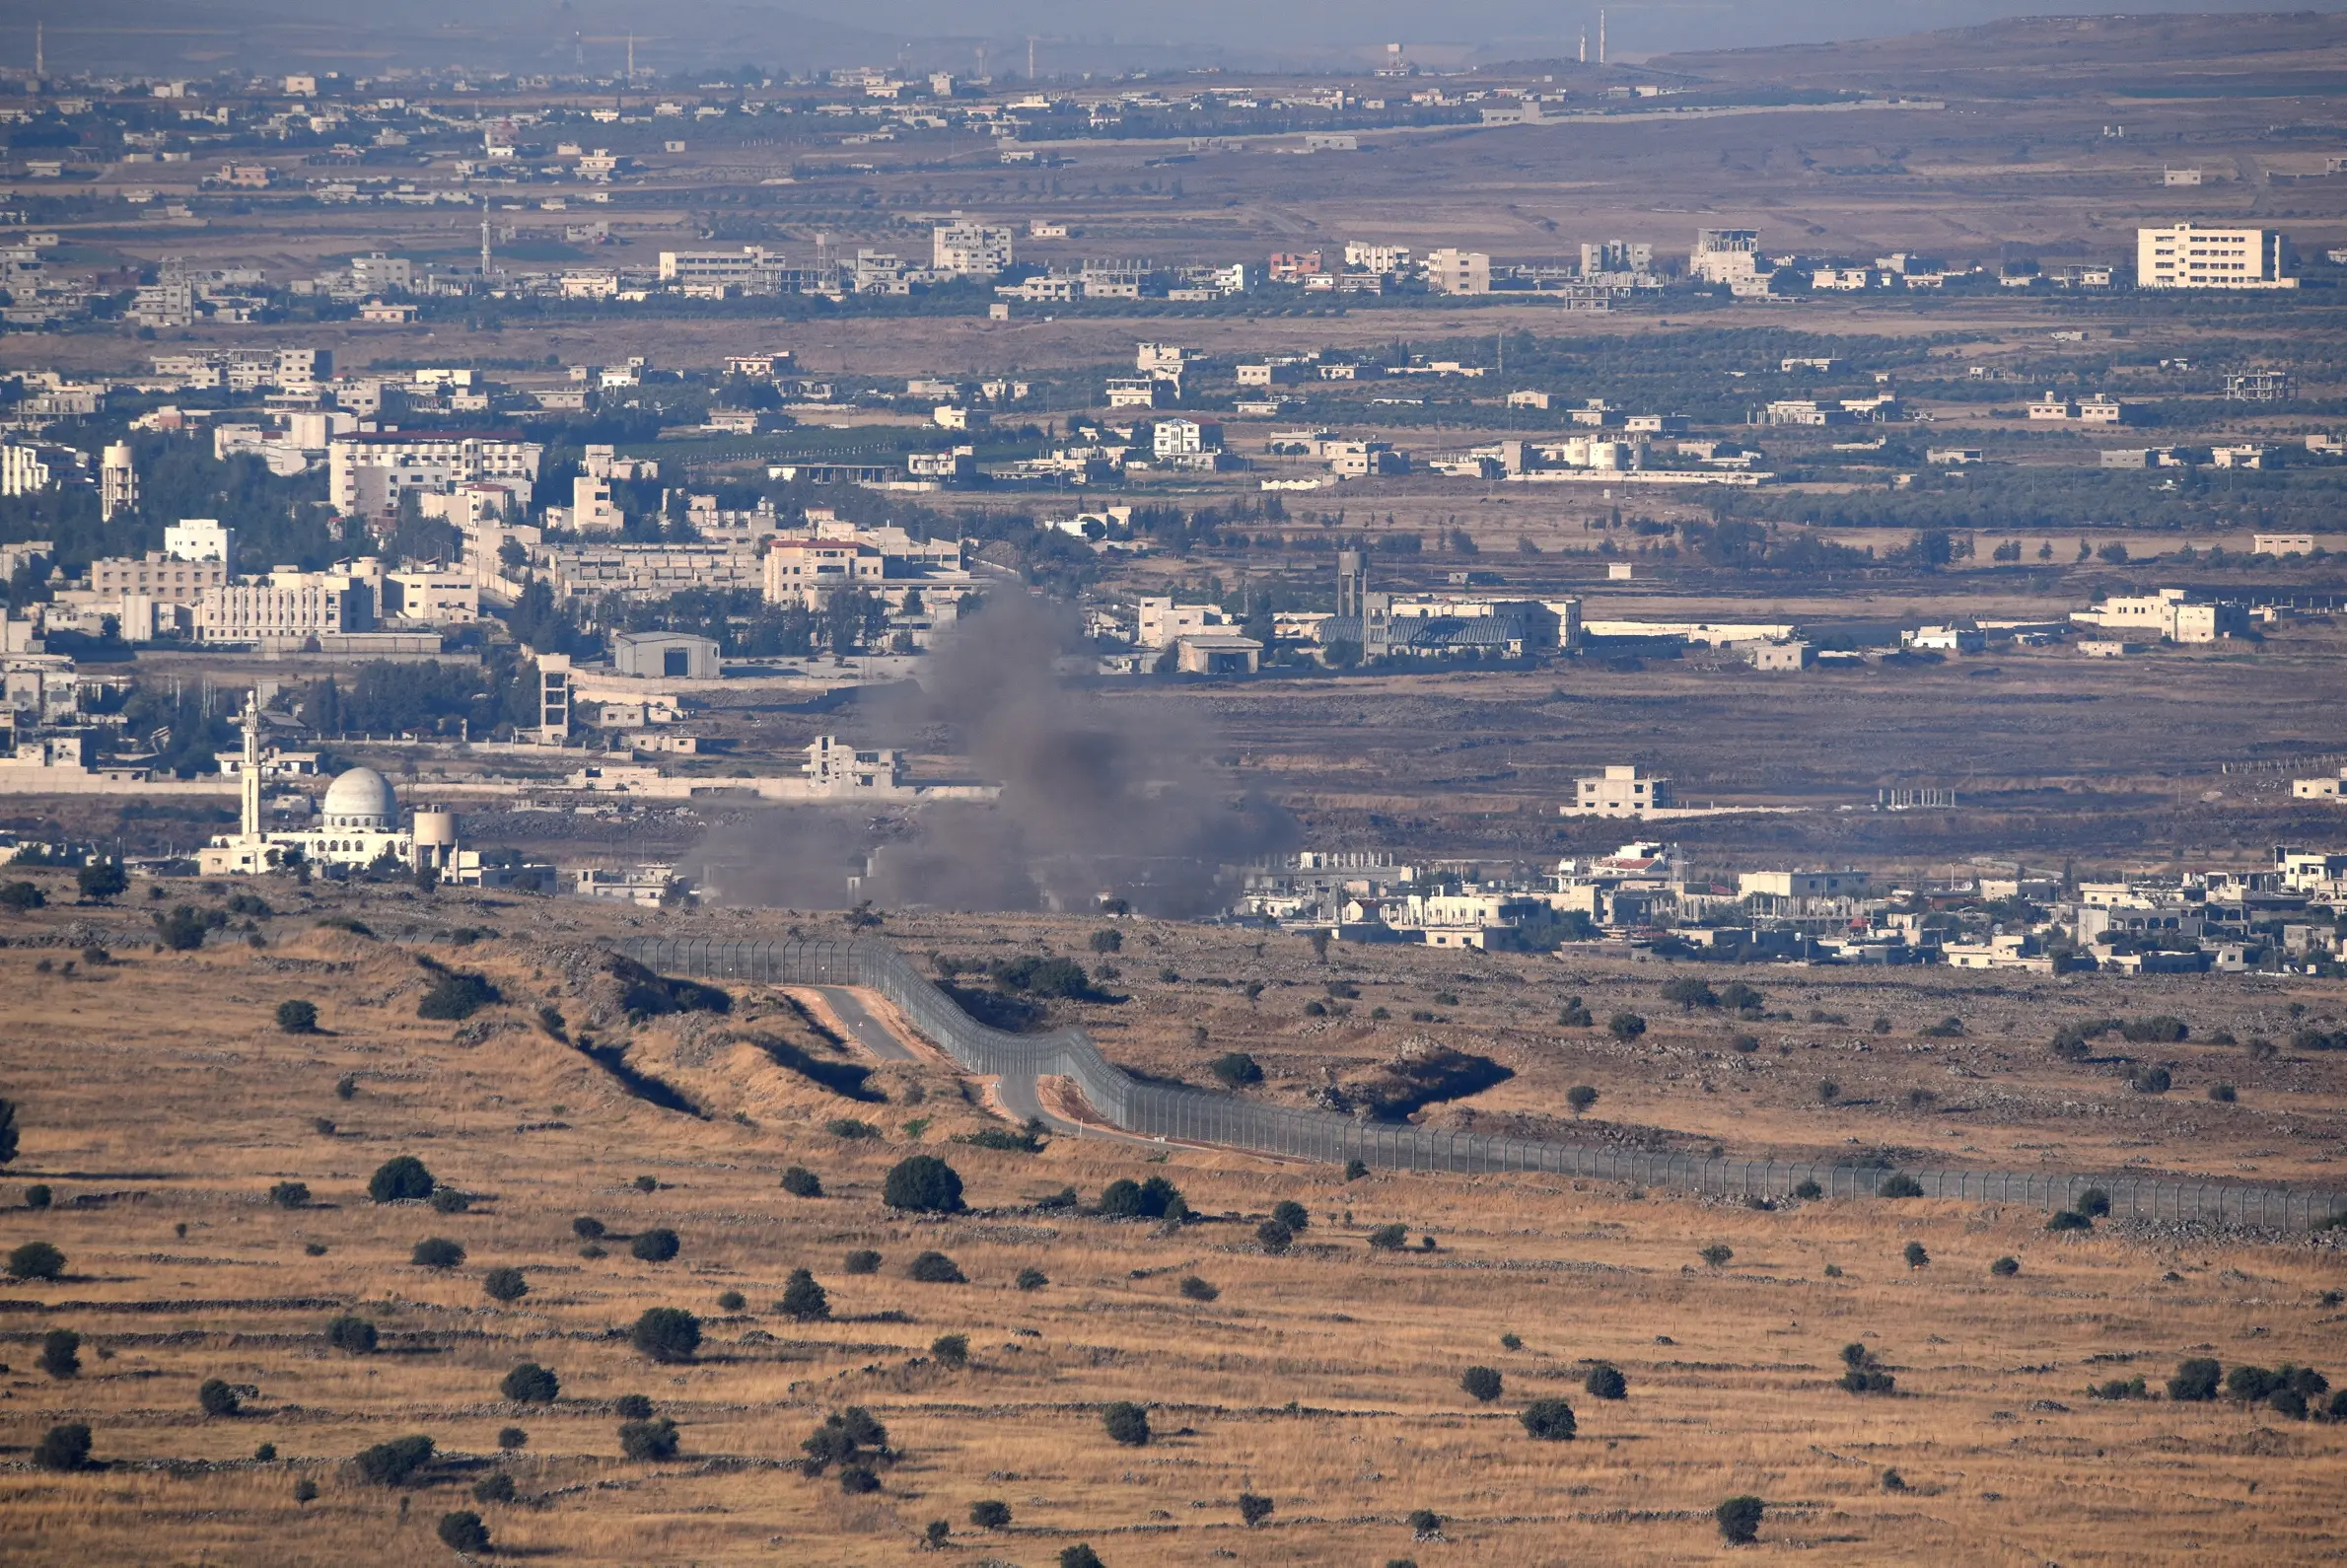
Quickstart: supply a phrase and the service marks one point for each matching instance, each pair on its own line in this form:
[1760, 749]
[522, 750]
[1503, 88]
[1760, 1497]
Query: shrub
[1740, 1520]
[497, 1488]
[35, 1260]
[2069, 1220]
[215, 1398]
[1744, 1044]
[510, 1438]
[1081, 1555]
[462, 1531]
[448, 1200]
[1690, 992]
[1915, 1255]
[1606, 1382]
[392, 1463]
[935, 1268]
[298, 1017]
[19, 896]
[505, 1285]
[456, 996]
[182, 930]
[1482, 1384]
[1274, 1238]
[1389, 1238]
[1900, 1186]
[587, 1227]
[1808, 1190]
[648, 1440]
[1254, 1509]
[1716, 1255]
[290, 1195]
[1355, 1169]
[1737, 997]
[731, 1300]
[2195, 1381]
[656, 1246]
[2223, 1094]
[632, 1407]
[2094, 1203]
[2005, 1267]
[2120, 1388]
[646, 1184]
[2151, 1081]
[1126, 1423]
[1193, 1288]
[305, 1491]
[531, 1384]
[1292, 1214]
[1238, 1069]
[436, 1251]
[843, 1438]
[102, 879]
[1866, 1379]
[1625, 1026]
[401, 1181]
[990, 1514]
[38, 1195]
[1580, 1098]
[65, 1447]
[1425, 1523]
[61, 1353]
[952, 1350]
[924, 1184]
[2161, 1029]
[801, 1182]
[862, 1261]
[666, 1333]
[353, 1334]
[1549, 1420]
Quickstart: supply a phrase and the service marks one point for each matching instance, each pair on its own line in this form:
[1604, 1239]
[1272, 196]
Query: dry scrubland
[162, 1104]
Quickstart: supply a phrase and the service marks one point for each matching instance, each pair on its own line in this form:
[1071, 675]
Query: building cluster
[1644, 899]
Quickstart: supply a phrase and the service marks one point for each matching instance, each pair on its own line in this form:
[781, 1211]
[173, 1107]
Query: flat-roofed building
[1620, 792]
[2186, 255]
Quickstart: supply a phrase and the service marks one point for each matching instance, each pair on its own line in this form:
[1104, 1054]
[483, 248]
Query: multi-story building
[159, 575]
[1620, 792]
[200, 539]
[1378, 259]
[1726, 256]
[808, 571]
[285, 605]
[2189, 256]
[970, 250]
[25, 469]
[1453, 271]
[752, 269]
[368, 471]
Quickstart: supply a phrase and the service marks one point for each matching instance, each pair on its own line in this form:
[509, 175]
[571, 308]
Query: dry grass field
[162, 1104]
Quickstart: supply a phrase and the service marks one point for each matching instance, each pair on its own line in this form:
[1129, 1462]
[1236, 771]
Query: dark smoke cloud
[1101, 798]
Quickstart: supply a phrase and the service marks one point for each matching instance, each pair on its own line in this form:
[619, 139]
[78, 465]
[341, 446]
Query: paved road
[1018, 1095]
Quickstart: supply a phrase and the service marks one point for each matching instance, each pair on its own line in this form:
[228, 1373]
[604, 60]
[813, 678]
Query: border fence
[1194, 1116]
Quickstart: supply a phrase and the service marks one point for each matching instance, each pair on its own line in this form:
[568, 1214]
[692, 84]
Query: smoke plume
[1101, 798]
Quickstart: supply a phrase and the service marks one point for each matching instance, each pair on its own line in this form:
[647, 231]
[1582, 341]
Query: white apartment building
[970, 250]
[24, 469]
[367, 471]
[1620, 792]
[1726, 256]
[200, 539]
[285, 604]
[1181, 438]
[1162, 622]
[1379, 258]
[1453, 271]
[2173, 614]
[166, 577]
[752, 268]
[2189, 256]
[435, 597]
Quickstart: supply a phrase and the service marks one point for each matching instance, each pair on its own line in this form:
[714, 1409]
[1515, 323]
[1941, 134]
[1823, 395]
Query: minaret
[249, 779]
[1601, 38]
[40, 52]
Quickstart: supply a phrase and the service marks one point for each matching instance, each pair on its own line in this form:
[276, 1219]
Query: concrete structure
[2186, 255]
[1162, 622]
[1620, 792]
[665, 654]
[2320, 789]
[1454, 271]
[287, 606]
[369, 470]
[168, 579]
[200, 539]
[1726, 256]
[2294, 544]
[808, 571]
[118, 482]
[1784, 655]
[2173, 613]
[970, 250]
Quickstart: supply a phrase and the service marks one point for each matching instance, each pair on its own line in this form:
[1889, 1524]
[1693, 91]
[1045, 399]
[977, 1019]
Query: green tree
[1126, 1423]
[401, 1181]
[667, 1334]
[801, 1182]
[505, 1284]
[990, 1514]
[531, 1384]
[1580, 1098]
[656, 1246]
[395, 1463]
[297, 1017]
[8, 1132]
[101, 880]
[215, 1398]
[352, 1334]
[1606, 1382]
[1274, 1238]
[62, 1354]
[437, 1252]
[1740, 1520]
[923, 1184]
[35, 1260]
[1482, 1383]
[935, 1268]
[802, 1300]
[1254, 1509]
[462, 1531]
[649, 1440]
[1625, 1026]
[1549, 1420]
[1236, 1069]
[63, 1447]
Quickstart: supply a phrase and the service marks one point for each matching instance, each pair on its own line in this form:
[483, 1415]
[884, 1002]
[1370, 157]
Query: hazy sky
[798, 34]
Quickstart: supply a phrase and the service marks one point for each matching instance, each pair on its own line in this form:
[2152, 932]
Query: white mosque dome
[361, 797]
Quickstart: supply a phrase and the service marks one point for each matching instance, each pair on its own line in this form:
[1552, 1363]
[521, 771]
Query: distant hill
[2249, 54]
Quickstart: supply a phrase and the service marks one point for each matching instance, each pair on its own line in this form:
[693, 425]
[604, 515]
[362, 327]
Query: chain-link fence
[1191, 1116]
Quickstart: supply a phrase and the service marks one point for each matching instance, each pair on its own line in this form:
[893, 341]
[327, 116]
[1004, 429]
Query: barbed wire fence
[1191, 1116]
